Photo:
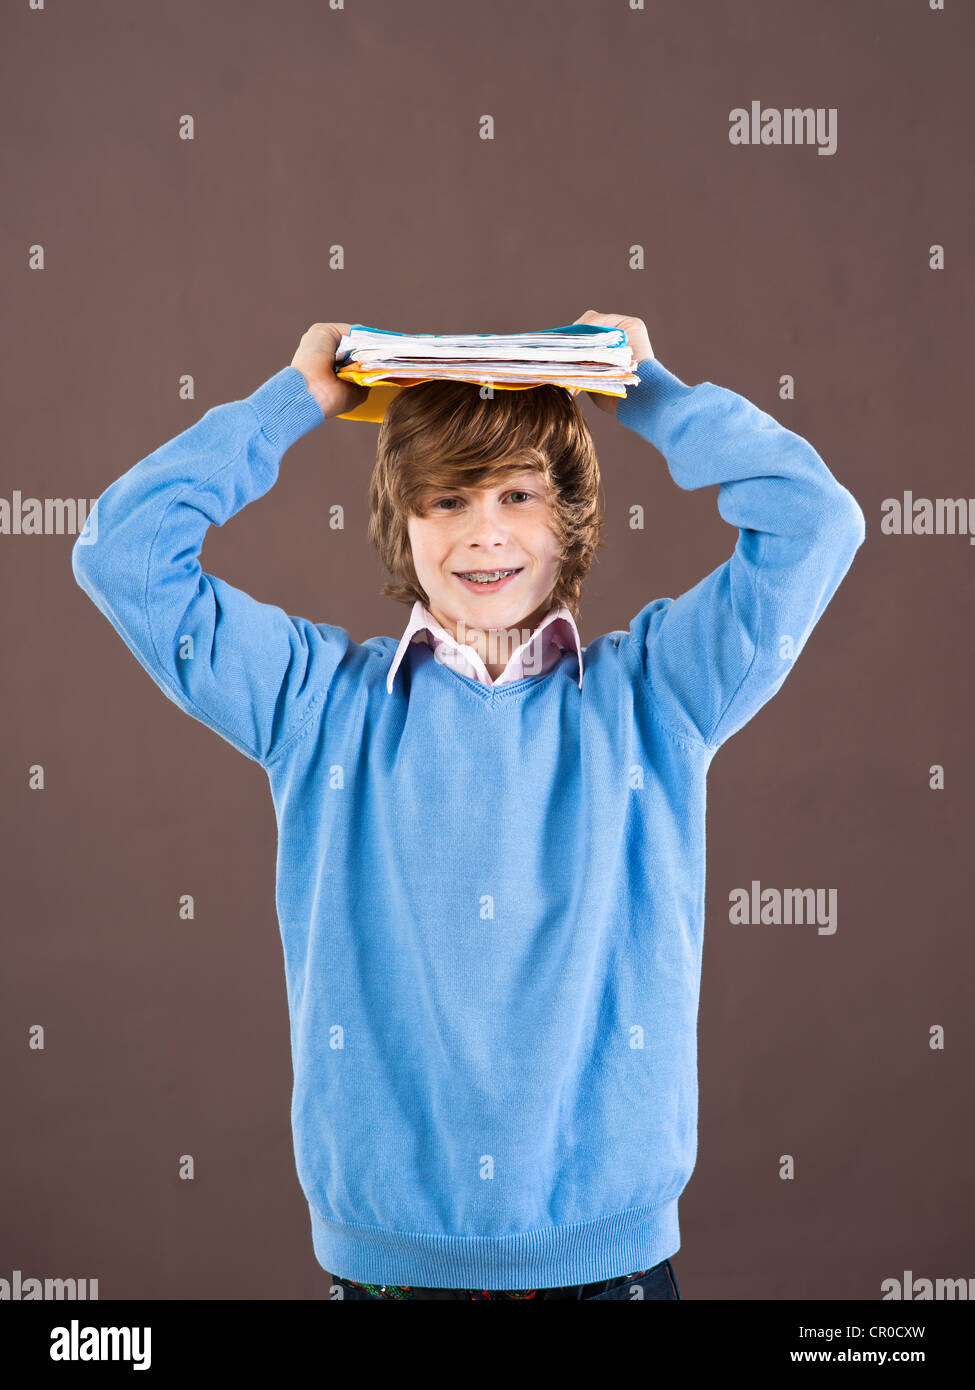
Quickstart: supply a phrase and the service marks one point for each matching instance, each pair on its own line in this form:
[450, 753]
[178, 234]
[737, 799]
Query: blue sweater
[495, 1067]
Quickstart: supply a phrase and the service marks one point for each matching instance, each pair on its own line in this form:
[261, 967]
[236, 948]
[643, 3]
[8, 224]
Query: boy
[490, 876]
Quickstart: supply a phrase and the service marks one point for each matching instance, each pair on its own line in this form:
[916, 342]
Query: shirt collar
[561, 622]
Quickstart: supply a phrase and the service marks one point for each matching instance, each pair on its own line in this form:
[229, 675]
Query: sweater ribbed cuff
[657, 389]
[286, 408]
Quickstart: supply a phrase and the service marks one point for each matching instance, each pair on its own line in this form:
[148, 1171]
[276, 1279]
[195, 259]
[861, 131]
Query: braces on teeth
[487, 576]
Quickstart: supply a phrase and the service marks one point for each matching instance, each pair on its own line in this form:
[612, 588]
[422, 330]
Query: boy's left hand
[638, 339]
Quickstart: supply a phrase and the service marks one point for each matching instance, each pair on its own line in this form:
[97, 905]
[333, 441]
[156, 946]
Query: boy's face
[501, 527]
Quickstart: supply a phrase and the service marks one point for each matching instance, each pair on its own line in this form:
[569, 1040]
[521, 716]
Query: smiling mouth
[487, 579]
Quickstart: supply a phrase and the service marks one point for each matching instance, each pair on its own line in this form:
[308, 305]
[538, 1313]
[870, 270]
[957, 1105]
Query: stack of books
[578, 356]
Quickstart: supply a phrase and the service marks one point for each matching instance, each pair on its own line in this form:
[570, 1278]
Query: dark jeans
[660, 1282]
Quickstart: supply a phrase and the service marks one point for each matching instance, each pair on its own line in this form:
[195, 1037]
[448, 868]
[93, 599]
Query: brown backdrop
[358, 127]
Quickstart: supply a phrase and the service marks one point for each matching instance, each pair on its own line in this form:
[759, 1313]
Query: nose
[488, 524]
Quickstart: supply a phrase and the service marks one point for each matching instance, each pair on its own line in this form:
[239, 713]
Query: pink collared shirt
[556, 633]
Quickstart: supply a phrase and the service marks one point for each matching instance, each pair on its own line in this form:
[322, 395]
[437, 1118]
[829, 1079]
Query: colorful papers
[577, 356]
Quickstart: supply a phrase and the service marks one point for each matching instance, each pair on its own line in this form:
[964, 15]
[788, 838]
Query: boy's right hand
[315, 359]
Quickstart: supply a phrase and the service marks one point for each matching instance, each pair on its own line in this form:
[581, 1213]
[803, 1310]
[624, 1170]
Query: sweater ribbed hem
[581, 1253]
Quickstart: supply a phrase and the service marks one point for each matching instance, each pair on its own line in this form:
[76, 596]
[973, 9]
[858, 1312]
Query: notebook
[577, 356]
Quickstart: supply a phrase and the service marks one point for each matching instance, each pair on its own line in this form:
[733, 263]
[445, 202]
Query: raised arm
[245, 669]
[718, 653]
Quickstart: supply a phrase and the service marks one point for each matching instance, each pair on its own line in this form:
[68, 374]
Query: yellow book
[373, 408]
